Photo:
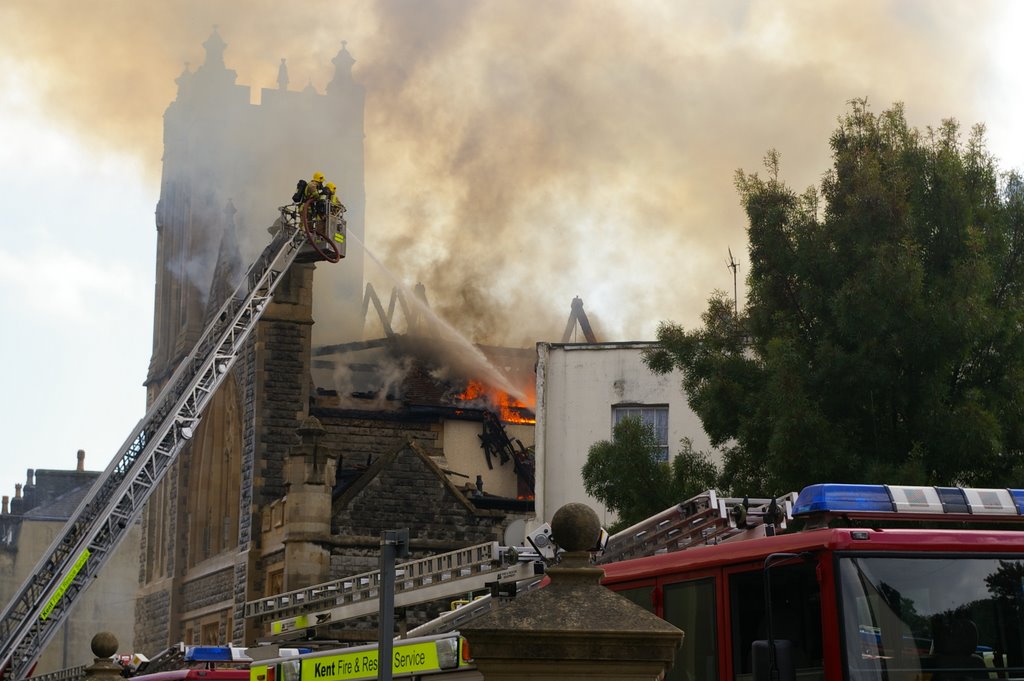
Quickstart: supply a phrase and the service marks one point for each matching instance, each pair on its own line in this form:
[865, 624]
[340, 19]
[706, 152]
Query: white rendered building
[582, 390]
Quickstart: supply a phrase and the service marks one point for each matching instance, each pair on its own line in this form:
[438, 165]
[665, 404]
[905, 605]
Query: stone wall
[207, 590]
[357, 435]
[151, 622]
[247, 512]
[275, 398]
[154, 618]
[281, 379]
[405, 489]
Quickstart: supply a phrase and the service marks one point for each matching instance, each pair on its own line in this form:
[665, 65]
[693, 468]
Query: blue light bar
[915, 499]
[835, 497]
[953, 499]
[1018, 498]
[990, 501]
[840, 498]
[215, 654]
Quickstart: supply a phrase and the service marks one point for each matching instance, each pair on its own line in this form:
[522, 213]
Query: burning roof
[404, 372]
[508, 409]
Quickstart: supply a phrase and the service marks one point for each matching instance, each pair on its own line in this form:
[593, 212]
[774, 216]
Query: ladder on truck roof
[445, 575]
[703, 519]
[117, 497]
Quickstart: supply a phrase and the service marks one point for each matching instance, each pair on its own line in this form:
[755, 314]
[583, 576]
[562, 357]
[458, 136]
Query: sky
[518, 154]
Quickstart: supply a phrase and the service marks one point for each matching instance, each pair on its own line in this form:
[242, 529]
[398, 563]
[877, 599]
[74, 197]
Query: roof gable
[406, 488]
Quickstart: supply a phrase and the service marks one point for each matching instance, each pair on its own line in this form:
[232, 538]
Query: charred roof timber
[578, 316]
[416, 322]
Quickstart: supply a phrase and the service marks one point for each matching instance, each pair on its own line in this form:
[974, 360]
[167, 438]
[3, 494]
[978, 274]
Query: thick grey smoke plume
[522, 153]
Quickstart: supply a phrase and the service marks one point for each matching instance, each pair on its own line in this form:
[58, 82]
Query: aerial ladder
[118, 495]
[441, 576]
[707, 518]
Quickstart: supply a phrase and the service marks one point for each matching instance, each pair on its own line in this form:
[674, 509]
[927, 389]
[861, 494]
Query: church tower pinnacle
[282, 75]
[214, 47]
[342, 81]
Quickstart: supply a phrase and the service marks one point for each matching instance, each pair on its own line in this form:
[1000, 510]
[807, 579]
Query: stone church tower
[228, 164]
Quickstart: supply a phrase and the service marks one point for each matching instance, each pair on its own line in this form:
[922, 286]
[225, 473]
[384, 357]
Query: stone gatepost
[103, 668]
[574, 628]
[309, 477]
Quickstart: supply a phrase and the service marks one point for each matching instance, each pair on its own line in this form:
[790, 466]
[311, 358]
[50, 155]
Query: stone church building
[309, 450]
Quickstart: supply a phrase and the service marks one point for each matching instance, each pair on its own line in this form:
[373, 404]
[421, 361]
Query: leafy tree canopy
[881, 340]
[624, 474]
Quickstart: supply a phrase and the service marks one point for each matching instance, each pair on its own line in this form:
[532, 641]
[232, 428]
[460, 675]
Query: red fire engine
[194, 663]
[883, 596]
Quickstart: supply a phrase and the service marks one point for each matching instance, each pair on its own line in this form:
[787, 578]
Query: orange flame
[510, 410]
[475, 390]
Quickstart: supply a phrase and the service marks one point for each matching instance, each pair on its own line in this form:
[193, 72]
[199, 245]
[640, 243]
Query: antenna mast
[734, 266]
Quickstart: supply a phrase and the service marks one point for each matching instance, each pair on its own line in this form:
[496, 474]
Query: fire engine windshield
[939, 618]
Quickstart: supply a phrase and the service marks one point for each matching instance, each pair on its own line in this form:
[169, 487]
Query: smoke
[378, 390]
[519, 154]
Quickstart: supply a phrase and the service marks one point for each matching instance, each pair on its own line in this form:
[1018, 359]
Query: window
[642, 596]
[655, 417]
[947, 616]
[275, 581]
[156, 522]
[795, 617]
[691, 607]
[210, 634]
[214, 475]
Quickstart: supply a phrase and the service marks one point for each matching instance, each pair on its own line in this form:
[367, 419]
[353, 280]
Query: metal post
[733, 265]
[393, 543]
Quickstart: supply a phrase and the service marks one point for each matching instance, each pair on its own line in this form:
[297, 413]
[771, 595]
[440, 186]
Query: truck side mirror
[761, 657]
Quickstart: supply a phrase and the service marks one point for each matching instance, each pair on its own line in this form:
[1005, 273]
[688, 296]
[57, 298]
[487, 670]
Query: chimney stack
[7, 500]
[81, 461]
[17, 503]
[28, 478]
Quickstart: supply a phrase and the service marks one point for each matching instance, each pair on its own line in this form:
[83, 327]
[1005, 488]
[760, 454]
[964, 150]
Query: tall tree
[881, 340]
[624, 474]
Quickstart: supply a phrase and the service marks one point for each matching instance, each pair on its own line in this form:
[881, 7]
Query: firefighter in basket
[316, 194]
[312, 198]
[336, 210]
[315, 187]
[308, 190]
[334, 204]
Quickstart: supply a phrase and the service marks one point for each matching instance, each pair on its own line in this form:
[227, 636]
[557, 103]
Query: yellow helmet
[318, 177]
[331, 186]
